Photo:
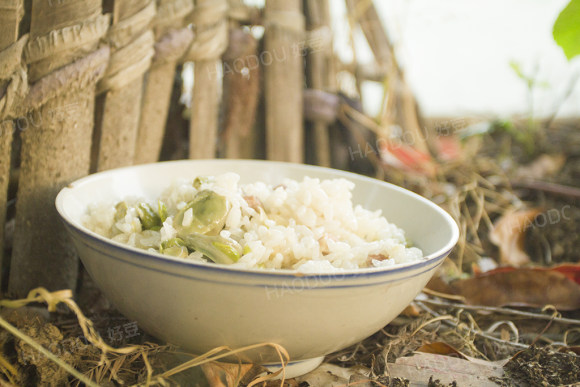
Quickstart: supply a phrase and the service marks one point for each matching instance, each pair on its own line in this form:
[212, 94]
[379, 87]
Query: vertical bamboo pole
[405, 114]
[321, 71]
[204, 111]
[241, 94]
[56, 142]
[119, 108]
[211, 28]
[284, 79]
[10, 57]
[241, 65]
[172, 42]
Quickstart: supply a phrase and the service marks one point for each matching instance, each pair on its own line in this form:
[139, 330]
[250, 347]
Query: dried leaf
[544, 166]
[508, 234]
[570, 270]
[448, 148]
[421, 366]
[216, 372]
[411, 311]
[327, 375]
[535, 287]
[405, 157]
[441, 348]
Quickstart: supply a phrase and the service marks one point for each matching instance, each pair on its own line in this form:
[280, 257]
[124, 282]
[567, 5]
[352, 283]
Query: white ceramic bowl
[203, 306]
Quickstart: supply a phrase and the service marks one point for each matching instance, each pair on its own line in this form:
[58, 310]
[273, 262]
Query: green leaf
[518, 70]
[566, 30]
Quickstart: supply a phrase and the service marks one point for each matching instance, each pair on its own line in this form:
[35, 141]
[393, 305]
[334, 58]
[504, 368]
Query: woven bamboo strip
[211, 30]
[56, 143]
[284, 79]
[119, 108]
[172, 42]
[10, 14]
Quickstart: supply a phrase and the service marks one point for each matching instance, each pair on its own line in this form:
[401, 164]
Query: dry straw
[53, 299]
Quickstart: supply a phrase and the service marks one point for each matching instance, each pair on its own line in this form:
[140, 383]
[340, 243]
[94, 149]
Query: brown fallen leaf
[534, 287]
[508, 234]
[421, 366]
[448, 148]
[407, 157]
[441, 348]
[327, 375]
[411, 311]
[217, 373]
[544, 166]
[570, 270]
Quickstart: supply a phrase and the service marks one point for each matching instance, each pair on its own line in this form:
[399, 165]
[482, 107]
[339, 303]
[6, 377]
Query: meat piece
[323, 242]
[254, 203]
[378, 257]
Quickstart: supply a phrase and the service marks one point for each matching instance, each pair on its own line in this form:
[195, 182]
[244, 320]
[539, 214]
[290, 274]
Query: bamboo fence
[86, 86]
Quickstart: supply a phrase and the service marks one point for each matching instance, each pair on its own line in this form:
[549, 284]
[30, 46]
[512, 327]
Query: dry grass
[106, 363]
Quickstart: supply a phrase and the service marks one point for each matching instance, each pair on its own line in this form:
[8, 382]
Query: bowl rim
[159, 258]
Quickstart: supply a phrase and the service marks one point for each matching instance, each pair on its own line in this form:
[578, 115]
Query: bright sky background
[456, 55]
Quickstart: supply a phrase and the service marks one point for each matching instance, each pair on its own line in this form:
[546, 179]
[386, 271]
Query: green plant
[566, 31]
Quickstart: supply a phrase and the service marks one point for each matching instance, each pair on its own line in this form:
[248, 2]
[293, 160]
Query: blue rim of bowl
[316, 278]
[431, 259]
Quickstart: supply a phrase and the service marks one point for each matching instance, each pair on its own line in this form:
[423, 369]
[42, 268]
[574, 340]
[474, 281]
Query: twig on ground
[473, 331]
[443, 295]
[544, 186]
[494, 309]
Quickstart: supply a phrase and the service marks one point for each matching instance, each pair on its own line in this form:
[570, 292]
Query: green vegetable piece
[214, 247]
[209, 211]
[172, 243]
[149, 218]
[228, 250]
[120, 211]
[176, 251]
[175, 247]
[162, 211]
[198, 181]
[246, 250]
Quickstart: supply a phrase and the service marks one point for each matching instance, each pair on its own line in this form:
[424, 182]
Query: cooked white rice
[311, 226]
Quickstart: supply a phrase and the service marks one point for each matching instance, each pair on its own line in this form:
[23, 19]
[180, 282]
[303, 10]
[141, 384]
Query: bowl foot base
[296, 368]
